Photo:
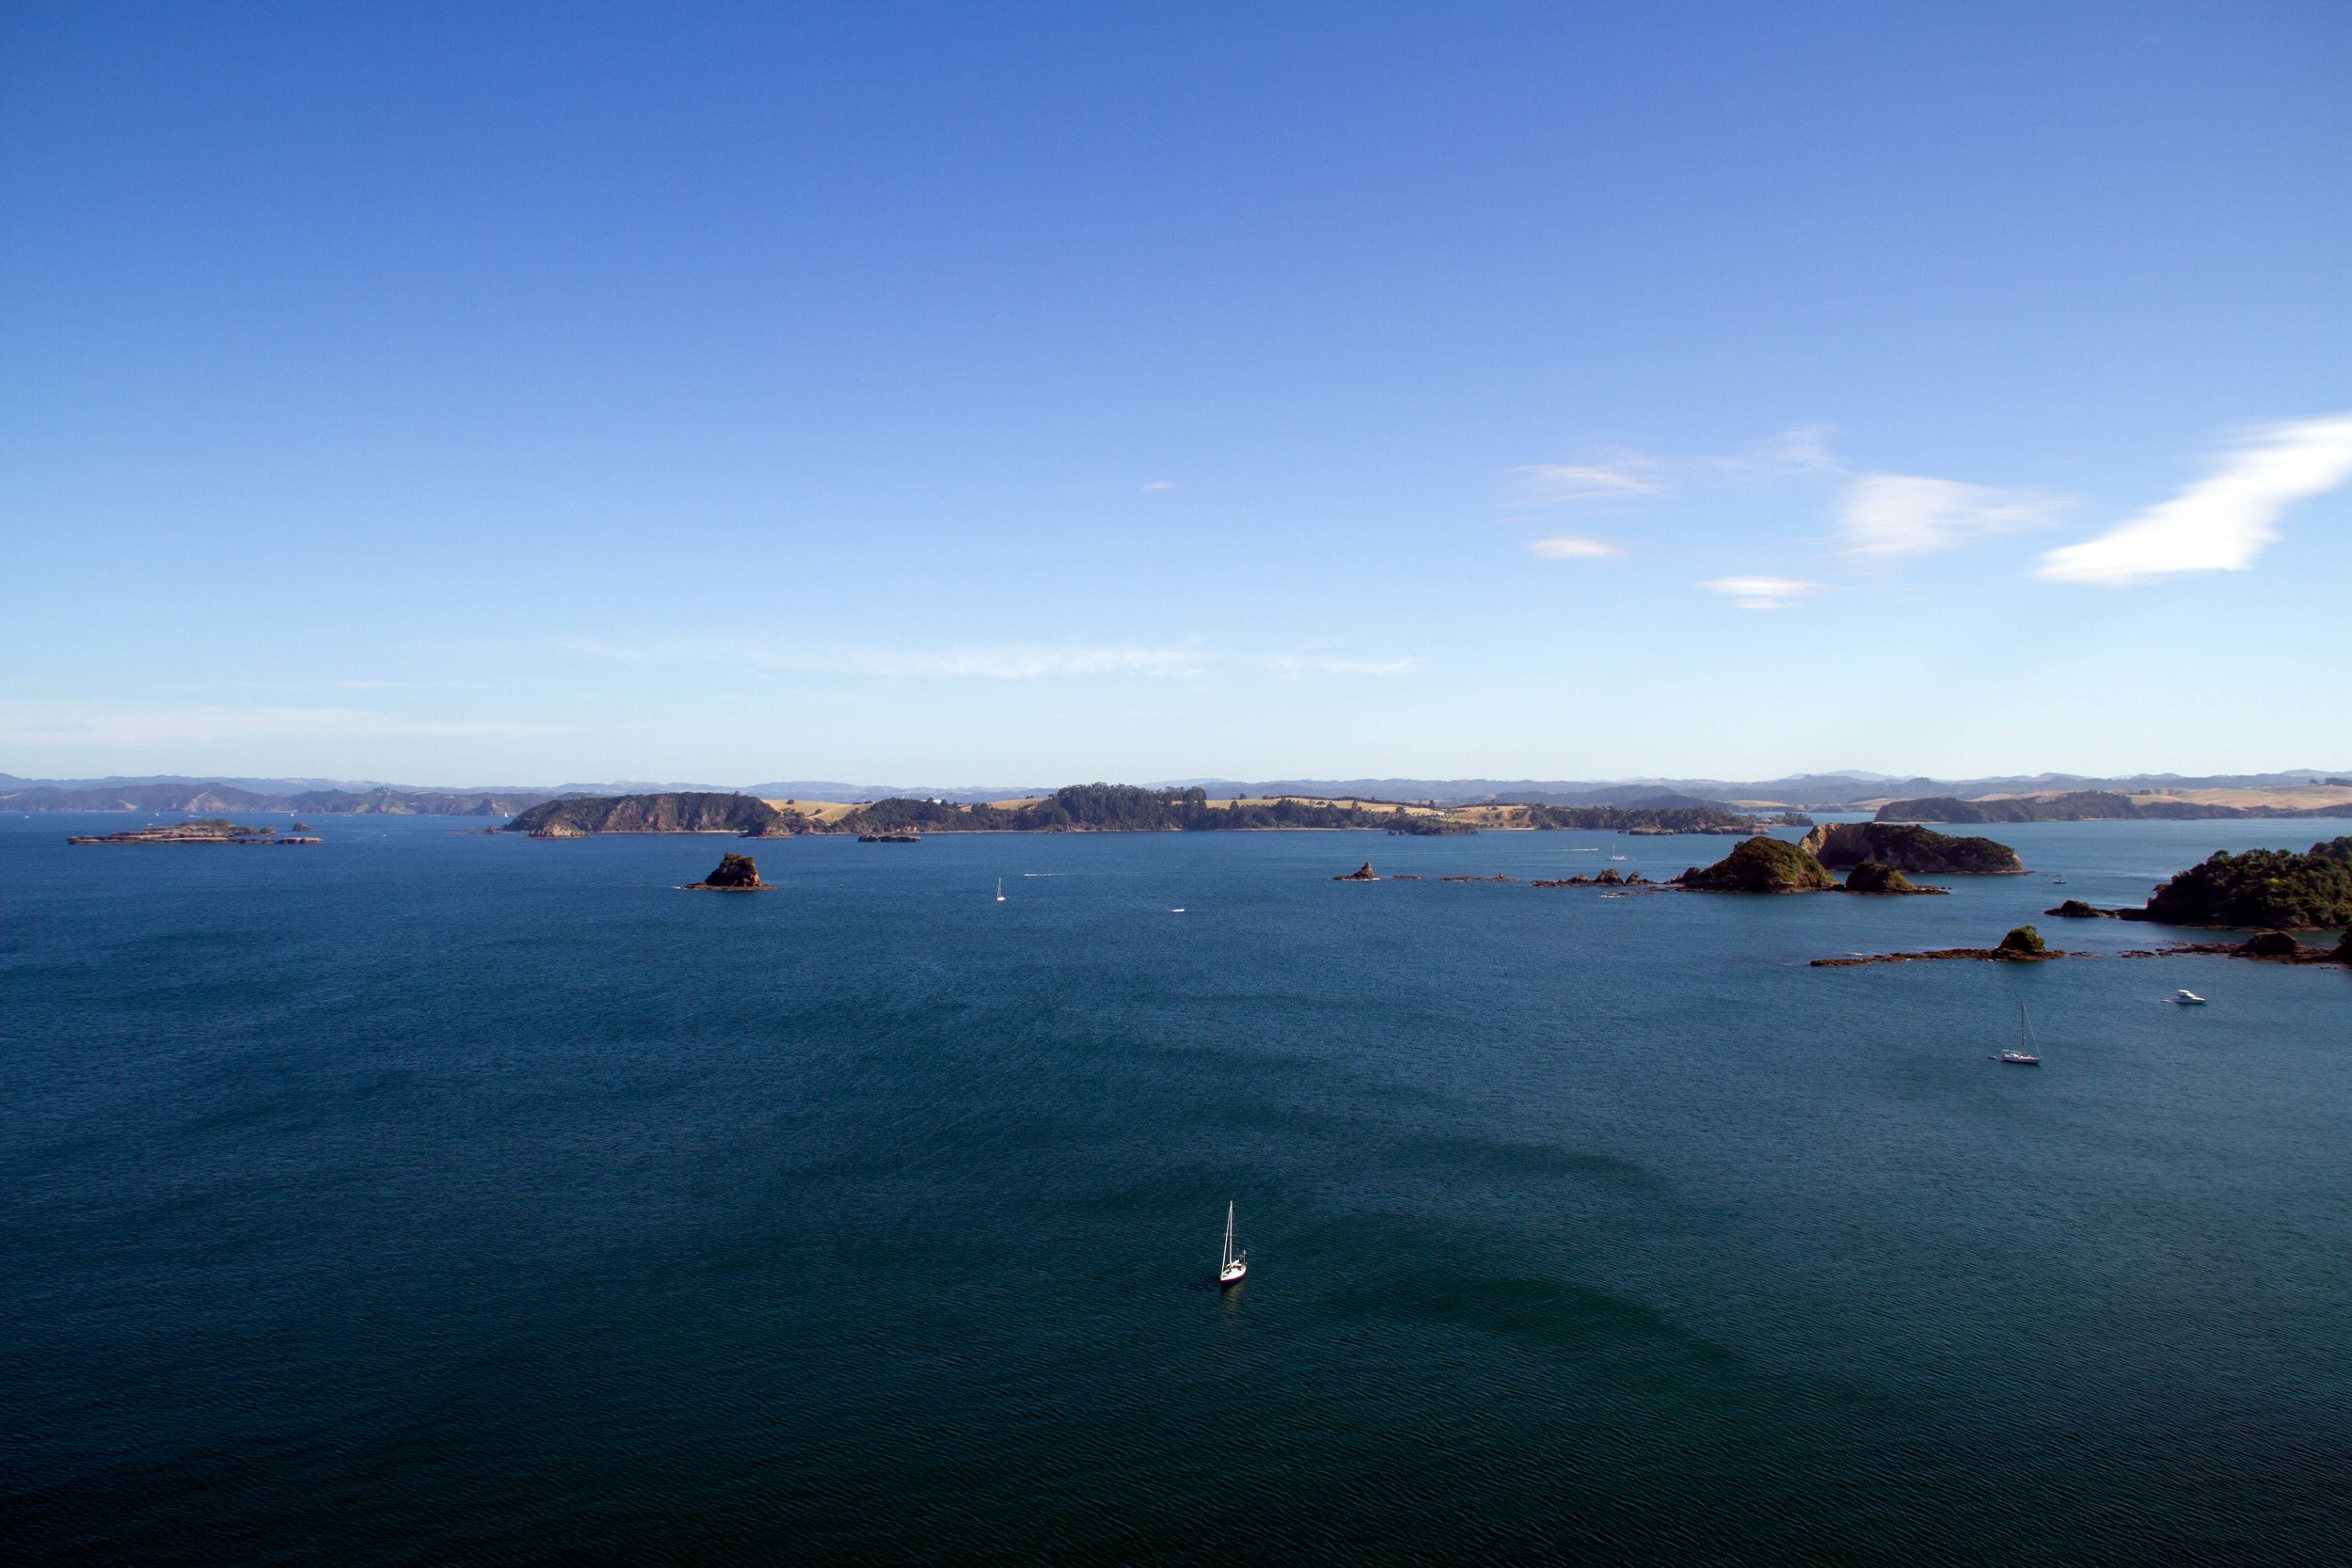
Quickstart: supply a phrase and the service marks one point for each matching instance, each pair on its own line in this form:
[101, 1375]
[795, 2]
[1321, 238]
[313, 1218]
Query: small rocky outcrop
[1361, 873]
[2074, 908]
[734, 874]
[1761, 866]
[2270, 944]
[1871, 877]
[2024, 943]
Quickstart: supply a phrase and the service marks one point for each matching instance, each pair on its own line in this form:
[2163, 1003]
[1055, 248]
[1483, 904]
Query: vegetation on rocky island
[1908, 847]
[1871, 877]
[2074, 908]
[2271, 889]
[1761, 866]
[733, 871]
[671, 813]
[1126, 808]
[2024, 943]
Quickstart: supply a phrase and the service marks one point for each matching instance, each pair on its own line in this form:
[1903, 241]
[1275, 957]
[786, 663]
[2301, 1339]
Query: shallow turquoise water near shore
[427, 1198]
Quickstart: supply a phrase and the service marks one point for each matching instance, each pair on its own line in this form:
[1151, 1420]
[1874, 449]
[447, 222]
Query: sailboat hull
[1233, 1275]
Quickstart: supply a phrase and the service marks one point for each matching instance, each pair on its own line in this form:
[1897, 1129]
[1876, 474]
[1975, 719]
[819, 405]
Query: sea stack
[2022, 942]
[1361, 873]
[735, 874]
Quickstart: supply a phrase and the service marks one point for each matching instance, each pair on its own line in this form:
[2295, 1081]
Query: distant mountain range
[162, 793]
[1817, 790]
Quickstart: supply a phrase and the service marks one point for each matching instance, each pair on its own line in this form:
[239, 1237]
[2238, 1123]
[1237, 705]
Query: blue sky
[1025, 393]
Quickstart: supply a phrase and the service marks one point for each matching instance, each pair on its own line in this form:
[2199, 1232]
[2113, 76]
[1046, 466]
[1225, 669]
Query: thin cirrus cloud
[1614, 478]
[1573, 547]
[1006, 663]
[196, 724]
[1625, 473]
[1888, 516]
[1762, 593]
[1296, 668]
[2224, 520]
[996, 661]
[1158, 487]
[1020, 662]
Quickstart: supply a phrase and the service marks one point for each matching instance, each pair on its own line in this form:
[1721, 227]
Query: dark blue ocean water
[434, 1198]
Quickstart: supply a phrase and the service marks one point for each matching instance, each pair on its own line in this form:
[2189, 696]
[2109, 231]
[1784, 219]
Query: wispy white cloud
[1018, 662]
[1762, 593]
[1629, 473]
[1573, 547]
[1898, 515]
[192, 723]
[1615, 476]
[1295, 667]
[996, 661]
[1800, 449]
[1159, 485]
[2223, 521]
[1009, 661]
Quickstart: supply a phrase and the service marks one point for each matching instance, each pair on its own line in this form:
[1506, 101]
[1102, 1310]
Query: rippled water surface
[426, 1198]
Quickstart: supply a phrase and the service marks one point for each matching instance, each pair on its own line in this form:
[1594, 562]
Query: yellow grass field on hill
[1325, 800]
[2298, 797]
[819, 811]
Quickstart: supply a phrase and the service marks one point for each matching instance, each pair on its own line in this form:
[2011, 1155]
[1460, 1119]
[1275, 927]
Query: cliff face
[1911, 849]
[681, 813]
[1761, 866]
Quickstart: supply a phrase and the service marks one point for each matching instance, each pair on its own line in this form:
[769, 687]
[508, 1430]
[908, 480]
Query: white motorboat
[1000, 890]
[1231, 1265]
[2185, 998]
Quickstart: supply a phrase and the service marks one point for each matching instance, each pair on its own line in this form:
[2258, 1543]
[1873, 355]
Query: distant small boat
[2020, 1057]
[2057, 882]
[1000, 890]
[2187, 999]
[1177, 910]
[1231, 1265]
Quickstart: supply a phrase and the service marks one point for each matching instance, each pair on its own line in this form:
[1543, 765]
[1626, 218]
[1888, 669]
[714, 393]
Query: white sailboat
[1232, 1265]
[2020, 1057]
[1000, 890]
